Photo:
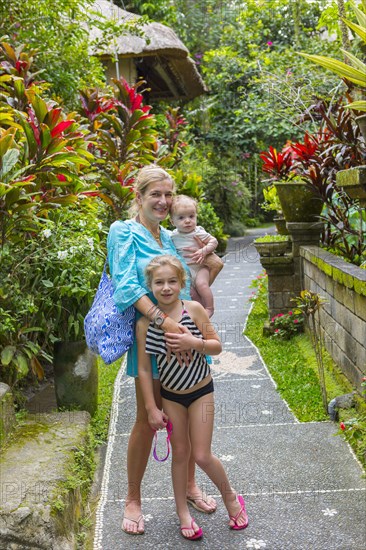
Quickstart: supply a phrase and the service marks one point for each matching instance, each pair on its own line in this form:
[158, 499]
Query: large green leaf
[23, 207]
[6, 78]
[357, 105]
[361, 16]
[19, 87]
[132, 136]
[59, 159]
[56, 145]
[6, 118]
[9, 51]
[70, 199]
[22, 364]
[136, 115]
[357, 63]
[40, 108]
[360, 31]
[7, 355]
[144, 123]
[344, 71]
[6, 142]
[8, 161]
[12, 197]
[26, 330]
[31, 140]
[45, 136]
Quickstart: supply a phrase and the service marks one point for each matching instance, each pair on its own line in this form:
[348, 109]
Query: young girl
[187, 392]
[201, 261]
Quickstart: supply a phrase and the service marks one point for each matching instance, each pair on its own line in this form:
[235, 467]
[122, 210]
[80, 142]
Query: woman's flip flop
[193, 501]
[137, 521]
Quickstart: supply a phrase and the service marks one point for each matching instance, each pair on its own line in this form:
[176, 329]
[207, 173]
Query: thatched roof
[160, 57]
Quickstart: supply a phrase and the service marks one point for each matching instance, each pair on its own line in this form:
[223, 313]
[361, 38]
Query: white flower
[82, 223]
[257, 544]
[329, 512]
[90, 242]
[226, 458]
[62, 254]
[100, 225]
[47, 233]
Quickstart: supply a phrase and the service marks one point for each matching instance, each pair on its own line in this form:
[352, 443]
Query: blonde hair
[147, 175]
[178, 199]
[160, 261]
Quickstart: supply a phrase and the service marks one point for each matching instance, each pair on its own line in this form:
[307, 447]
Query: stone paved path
[303, 486]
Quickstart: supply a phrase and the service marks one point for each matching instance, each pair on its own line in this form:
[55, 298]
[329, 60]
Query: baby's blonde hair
[179, 199]
[160, 261]
[147, 175]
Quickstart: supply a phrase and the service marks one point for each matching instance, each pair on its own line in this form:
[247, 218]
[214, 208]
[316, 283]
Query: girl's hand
[172, 327]
[157, 419]
[181, 342]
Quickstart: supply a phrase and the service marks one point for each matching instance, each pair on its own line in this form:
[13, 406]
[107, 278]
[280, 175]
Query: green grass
[100, 421]
[292, 364]
[355, 430]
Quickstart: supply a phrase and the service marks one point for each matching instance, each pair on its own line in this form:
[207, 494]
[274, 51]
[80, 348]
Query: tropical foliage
[63, 178]
[354, 71]
[58, 30]
[316, 160]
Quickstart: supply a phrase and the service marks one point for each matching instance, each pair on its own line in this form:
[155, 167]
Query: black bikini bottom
[186, 399]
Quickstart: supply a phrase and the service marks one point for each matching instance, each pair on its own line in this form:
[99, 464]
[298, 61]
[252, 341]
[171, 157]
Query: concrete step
[40, 499]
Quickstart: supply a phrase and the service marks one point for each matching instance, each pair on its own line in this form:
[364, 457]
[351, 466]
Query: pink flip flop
[242, 510]
[197, 535]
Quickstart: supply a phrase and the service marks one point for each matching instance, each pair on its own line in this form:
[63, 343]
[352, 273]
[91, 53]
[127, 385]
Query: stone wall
[343, 317]
[7, 414]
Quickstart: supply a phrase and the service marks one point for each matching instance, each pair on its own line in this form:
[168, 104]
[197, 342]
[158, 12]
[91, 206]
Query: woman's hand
[181, 342]
[157, 419]
[172, 327]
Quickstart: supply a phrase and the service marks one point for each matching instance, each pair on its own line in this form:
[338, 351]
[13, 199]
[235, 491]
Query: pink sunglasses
[169, 429]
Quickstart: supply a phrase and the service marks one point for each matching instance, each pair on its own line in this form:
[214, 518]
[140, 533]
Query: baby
[183, 214]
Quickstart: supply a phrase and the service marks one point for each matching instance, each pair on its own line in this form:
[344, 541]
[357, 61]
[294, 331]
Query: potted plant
[353, 182]
[272, 245]
[354, 73]
[272, 203]
[299, 201]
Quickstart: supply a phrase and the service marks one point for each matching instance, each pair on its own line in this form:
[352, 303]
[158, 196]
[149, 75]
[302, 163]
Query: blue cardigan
[130, 247]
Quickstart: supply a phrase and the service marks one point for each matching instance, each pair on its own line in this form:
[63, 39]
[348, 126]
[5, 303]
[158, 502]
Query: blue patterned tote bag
[108, 332]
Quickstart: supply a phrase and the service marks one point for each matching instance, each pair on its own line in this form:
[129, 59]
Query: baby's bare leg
[203, 288]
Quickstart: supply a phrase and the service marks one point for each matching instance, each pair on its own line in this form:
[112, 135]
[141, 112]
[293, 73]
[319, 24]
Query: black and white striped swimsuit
[172, 375]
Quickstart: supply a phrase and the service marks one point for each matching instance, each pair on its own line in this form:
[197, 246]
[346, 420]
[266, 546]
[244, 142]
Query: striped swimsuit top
[172, 375]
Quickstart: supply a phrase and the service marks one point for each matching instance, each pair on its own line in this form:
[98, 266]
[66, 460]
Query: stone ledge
[351, 276]
[41, 496]
[7, 415]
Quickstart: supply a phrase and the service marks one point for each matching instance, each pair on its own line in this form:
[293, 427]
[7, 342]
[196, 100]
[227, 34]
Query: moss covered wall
[343, 318]
[7, 414]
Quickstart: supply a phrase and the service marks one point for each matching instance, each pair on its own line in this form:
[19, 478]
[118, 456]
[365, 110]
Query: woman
[131, 245]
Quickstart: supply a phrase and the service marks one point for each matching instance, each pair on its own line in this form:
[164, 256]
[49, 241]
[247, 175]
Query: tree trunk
[344, 29]
[296, 17]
